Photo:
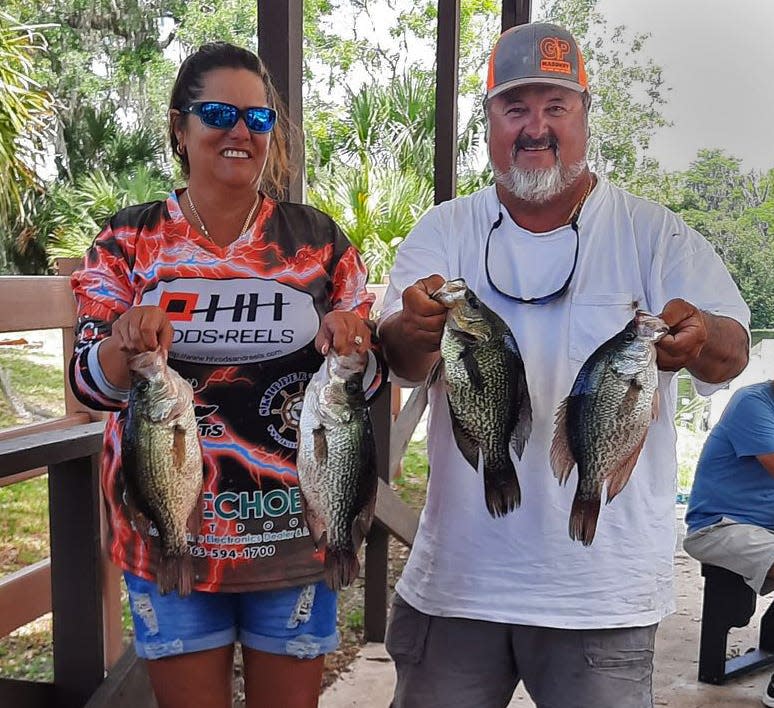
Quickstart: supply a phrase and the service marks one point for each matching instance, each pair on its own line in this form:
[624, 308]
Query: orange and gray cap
[535, 53]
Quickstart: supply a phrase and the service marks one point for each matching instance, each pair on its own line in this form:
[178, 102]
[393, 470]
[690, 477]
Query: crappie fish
[601, 426]
[486, 387]
[161, 459]
[337, 464]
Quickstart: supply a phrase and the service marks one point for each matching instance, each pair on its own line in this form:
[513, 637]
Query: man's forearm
[725, 353]
[404, 356]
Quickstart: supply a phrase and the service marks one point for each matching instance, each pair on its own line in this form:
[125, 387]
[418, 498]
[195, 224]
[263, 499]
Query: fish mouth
[650, 326]
[146, 364]
[450, 292]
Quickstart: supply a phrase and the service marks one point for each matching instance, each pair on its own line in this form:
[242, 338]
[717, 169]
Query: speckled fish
[486, 387]
[601, 426]
[337, 464]
[161, 459]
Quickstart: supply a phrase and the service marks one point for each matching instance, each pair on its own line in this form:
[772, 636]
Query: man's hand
[713, 348]
[687, 335]
[411, 338]
[423, 318]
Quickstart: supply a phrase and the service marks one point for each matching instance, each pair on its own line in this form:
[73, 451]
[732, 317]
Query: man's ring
[358, 340]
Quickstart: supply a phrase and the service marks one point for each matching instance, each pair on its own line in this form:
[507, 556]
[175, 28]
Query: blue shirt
[729, 480]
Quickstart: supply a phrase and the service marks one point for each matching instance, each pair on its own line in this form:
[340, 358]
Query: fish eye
[472, 299]
[630, 336]
[143, 385]
[352, 386]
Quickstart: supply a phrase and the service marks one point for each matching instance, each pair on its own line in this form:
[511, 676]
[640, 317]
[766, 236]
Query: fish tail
[583, 519]
[341, 567]
[175, 572]
[501, 487]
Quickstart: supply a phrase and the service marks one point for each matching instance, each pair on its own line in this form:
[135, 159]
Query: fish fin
[466, 444]
[629, 399]
[473, 370]
[175, 572]
[655, 406]
[501, 486]
[314, 522]
[341, 568]
[178, 446]
[320, 445]
[562, 459]
[523, 427]
[583, 519]
[617, 477]
[404, 425]
[437, 371]
[194, 522]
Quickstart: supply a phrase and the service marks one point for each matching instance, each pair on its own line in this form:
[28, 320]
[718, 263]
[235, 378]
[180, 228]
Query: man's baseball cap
[535, 53]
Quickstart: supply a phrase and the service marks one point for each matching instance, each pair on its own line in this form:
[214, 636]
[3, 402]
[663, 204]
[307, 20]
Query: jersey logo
[235, 321]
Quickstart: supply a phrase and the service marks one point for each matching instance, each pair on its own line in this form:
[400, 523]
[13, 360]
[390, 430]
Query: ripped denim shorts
[298, 622]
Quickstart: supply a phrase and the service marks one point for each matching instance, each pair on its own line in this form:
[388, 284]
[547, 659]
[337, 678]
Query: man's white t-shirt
[524, 568]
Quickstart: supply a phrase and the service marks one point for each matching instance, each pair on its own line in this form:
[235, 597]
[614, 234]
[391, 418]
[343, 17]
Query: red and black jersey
[245, 317]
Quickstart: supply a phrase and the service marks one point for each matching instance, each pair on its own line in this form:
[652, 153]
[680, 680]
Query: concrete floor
[370, 681]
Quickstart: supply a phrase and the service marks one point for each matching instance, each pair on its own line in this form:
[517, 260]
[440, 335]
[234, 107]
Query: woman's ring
[358, 340]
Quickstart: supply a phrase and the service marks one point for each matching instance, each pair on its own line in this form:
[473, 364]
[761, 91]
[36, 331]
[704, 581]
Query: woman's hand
[346, 332]
[142, 328]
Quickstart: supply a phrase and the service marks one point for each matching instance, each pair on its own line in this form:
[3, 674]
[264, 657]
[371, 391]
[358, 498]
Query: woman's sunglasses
[224, 116]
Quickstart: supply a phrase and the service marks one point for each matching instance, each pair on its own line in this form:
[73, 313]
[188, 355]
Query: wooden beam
[375, 593]
[76, 572]
[446, 84]
[49, 448]
[280, 44]
[24, 596]
[394, 515]
[127, 685]
[39, 302]
[26, 694]
[515, 12]
[67, 421]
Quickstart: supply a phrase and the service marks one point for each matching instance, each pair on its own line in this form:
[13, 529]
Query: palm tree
[24, 112]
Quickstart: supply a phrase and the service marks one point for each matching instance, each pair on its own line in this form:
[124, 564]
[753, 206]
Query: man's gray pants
[448, 662]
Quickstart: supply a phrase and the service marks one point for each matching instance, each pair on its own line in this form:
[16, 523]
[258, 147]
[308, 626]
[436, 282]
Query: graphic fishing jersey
[244, 317]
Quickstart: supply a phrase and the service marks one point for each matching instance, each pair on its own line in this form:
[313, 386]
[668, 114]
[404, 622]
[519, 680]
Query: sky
[718, 58]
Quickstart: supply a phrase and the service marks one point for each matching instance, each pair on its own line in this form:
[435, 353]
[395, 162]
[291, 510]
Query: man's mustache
[525, 142]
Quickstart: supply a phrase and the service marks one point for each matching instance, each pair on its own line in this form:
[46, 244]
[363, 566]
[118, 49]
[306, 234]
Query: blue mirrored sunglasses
[224, 116]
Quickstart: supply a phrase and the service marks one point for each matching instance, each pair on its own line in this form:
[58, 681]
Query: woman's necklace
[245, 226]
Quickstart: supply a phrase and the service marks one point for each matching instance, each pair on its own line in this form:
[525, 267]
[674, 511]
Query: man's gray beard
[538, 185]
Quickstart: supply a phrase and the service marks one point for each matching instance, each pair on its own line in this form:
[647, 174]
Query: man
[565, 258]
[731, 510]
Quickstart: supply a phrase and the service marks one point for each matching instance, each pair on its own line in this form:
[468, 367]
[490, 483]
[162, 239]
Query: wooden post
[515, 12]
[76, 571]
[446, 73]
[377, 546]
[280, 39]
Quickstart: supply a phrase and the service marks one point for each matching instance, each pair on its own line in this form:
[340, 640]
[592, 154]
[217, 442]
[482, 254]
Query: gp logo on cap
[536, 52]
[553, 51]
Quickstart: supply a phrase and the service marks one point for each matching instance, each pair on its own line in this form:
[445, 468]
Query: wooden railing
[78, 584]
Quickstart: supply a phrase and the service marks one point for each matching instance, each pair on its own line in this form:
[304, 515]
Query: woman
[244, 293]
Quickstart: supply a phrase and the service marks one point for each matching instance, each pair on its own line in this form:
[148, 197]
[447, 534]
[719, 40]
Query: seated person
[731, 509]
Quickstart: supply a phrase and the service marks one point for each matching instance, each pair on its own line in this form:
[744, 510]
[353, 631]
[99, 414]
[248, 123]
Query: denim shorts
[298, 622]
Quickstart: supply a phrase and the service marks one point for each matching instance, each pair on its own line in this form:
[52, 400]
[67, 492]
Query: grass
[39, 385]
[37, 380]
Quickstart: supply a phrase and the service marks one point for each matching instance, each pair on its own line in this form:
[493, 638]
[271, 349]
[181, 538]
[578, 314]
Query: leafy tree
[24, 120]
[628, 91]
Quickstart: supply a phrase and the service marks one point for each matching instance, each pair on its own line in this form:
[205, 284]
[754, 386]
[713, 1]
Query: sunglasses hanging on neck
[541, 299]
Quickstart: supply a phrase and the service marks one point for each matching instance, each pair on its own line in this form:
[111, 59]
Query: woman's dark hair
[188, 88]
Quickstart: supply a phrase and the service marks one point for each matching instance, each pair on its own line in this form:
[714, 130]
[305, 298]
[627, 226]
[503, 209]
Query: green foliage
[628, 90]
[25, 110]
